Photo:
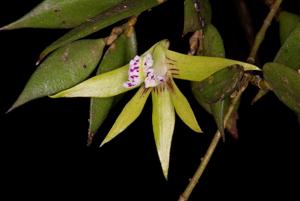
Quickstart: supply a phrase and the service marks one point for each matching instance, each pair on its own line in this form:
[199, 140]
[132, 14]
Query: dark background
[43, 143]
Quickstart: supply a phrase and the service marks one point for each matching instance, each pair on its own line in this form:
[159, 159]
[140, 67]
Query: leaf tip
[20, 101]
[6, 27]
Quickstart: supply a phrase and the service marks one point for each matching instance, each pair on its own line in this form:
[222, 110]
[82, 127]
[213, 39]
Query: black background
[43, 143]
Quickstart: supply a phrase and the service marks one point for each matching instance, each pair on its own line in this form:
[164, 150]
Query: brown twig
[117, 31]
[261, 34]
[203, 164]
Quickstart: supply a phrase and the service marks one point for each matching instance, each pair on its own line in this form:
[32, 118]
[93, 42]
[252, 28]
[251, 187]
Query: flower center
[141, 69]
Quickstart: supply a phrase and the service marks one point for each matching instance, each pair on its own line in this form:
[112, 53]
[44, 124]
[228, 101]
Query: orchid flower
[154, 73]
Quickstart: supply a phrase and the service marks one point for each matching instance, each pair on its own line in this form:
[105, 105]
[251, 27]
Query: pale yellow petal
[129, 114]
[163, 120]
[198, 68]
[183, 108]
[103, 85]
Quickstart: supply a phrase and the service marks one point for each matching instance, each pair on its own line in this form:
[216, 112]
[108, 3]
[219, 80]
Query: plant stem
[193, 182]
[251, 59]
[203, 164]
[261, 34]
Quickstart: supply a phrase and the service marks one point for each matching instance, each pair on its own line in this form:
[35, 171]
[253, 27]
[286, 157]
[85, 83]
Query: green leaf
[198, 68]
[183, 108]
[289, 52]
[192, 16]
[99, 109]
[129, 114]
[118, 54]
[213, 93]
[121, 11]
[213, 43]
[285, 83]
[217, 109]
[261, 93]
[163, 120]
[231, 124]
[287, 22]
[62, 69]
[101, 86]
[219, 85]
[205, 10]
[61, 14]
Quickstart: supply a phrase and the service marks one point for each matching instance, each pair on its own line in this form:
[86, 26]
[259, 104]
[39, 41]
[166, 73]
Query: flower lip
[141, 69]
[134, 73]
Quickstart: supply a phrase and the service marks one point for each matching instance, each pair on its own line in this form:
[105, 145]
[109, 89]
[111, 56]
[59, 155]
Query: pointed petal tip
[165, 172]
[3, 28]
[198, 130]
[10, 109]
[102, 143]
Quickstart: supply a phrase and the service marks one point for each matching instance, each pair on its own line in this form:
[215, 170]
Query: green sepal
[129, 114]
[100, 86]
[163, 120]
[198, 68]
[183, 108]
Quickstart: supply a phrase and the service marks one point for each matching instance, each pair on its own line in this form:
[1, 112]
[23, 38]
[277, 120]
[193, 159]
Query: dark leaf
[64, 68]
[116, 13]
[289, 52]
[61, 13]
[287, 23]
[195, 13]
[285, 83]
